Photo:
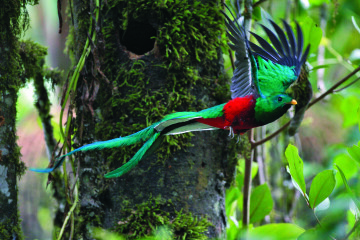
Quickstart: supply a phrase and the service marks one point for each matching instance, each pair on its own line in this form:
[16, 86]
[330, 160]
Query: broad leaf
[276, 231]
[354, 152]
[312, 34]
[358, 117]
[347, 165]
[355, 24]
[232, 195]
[348, 189]
[321, 187]
[348, 108]
[261, 203]
[312, 233]
[318, 2]
[296, 167]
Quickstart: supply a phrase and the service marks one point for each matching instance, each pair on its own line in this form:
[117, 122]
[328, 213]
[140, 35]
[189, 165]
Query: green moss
[187, 51]
[8, 228]
[32, 58]
[150, 216]
[14, 19]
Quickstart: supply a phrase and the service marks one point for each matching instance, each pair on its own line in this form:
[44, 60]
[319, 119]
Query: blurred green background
[328, 129]
[35, 201]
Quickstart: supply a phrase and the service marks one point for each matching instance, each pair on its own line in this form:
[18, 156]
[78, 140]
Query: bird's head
[270, 108]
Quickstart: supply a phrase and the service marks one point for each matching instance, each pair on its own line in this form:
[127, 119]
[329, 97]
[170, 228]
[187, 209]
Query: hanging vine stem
[67, 147]
[70, 214]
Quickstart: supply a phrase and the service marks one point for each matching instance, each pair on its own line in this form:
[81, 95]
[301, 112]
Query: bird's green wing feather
[279, 65]
[274, 77]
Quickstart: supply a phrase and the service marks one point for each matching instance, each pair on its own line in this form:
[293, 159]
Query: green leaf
[355, 24]
[261, 203]
[358, 117]
[44, 217]
[296, 167]
[312, 233]
[347, 165]
[312, 34]
[318, 2]
[354, 152]
[256, 14]
[232, 194]
[103, 234]
[276, 231]
[321, 187]
[349, 107]
[347, 187]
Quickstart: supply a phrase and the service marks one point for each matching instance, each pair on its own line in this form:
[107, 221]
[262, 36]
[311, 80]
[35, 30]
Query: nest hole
[139, 37]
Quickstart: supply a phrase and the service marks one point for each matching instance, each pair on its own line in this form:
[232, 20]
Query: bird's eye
[279, 99]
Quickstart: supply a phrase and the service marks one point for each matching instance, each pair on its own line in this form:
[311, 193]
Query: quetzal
[262, 75]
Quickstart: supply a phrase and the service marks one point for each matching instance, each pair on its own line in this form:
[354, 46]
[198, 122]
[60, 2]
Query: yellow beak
[293, 102]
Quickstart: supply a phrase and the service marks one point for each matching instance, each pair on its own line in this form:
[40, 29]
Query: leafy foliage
[261, 203]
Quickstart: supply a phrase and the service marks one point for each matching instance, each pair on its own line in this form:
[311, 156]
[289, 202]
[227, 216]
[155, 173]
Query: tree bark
[129, 82]
[10, 166]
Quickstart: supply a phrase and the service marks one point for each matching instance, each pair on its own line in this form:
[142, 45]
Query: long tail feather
[175, 123]
[136, 158]
[142, 135]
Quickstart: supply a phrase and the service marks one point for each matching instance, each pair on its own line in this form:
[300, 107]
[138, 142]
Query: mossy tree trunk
[13, 20]
[151, 58]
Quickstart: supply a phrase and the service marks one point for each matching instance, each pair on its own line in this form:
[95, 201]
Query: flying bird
[262, 75]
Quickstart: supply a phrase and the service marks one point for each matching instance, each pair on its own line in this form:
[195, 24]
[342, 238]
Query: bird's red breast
[239, 113]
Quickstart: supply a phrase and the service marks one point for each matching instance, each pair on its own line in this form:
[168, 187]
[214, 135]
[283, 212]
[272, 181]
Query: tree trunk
[151, 58]
[10, 166]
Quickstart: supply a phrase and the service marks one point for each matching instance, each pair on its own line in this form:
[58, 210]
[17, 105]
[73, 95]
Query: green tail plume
[145, 150]
[175, 123]
[142, 135]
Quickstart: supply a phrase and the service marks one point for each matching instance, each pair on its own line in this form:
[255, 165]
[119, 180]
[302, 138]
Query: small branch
[249, 155]
[247, 17]
[321, 51]
[336, 85]
[331, 90]
[339, 90]
[43, 106]
[59, 15]
[247, 182]
[317, 219]
[255, 144]
[356, 225]
[69, 214]
[71, 12]
[260, 155]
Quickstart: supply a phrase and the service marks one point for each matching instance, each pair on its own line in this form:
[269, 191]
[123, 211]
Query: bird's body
[258, 96]
[238, 115]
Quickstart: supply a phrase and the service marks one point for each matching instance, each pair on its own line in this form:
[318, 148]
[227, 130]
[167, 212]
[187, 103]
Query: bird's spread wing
[243, 82]
[286, 50]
